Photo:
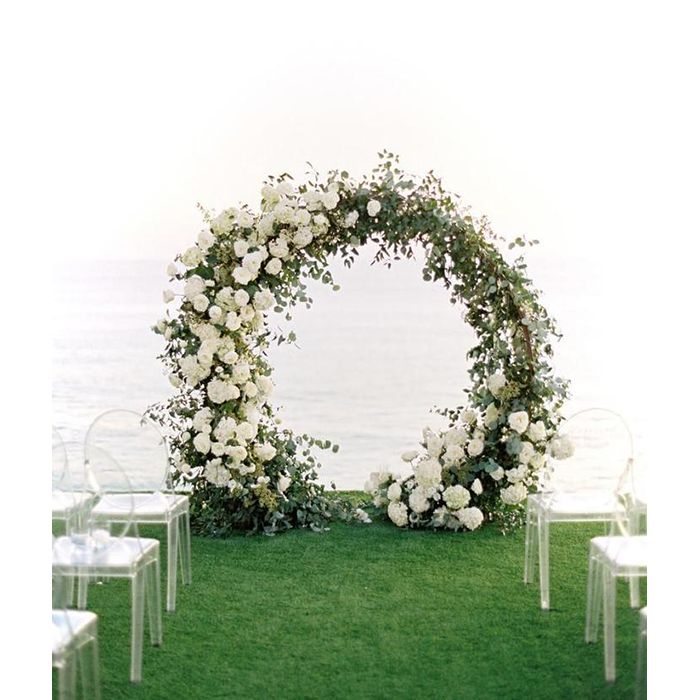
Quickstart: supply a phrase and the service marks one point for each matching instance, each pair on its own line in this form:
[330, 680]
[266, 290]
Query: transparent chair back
[603, 453]
[59, 459]
[135, 443]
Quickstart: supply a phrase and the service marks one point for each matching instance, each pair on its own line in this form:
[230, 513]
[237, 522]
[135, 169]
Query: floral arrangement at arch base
[245, 470]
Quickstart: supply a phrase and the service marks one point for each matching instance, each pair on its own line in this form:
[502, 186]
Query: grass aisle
[370, 612]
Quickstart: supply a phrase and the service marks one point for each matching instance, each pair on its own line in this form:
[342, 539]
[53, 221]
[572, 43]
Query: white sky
[573, 123]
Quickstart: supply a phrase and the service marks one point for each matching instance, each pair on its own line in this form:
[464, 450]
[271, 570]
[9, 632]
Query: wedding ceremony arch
[245, 470]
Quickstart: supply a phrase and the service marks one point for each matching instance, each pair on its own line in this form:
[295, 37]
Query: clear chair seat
[141, 505]
[118, 554]
[66, 625]
[622, 553]
[587, 504]
[64, 503]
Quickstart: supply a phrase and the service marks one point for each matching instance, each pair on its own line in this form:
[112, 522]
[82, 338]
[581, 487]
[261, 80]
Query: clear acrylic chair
[603, 454]
[74, 648]
[641, 675]
[88, 552]
[140, 448]
[612, 557]
[67, 504]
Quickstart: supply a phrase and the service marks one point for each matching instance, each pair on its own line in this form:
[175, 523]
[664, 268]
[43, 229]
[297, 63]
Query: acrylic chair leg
[590, 630]
[529, 549]
[137, 601]
[173, 548]
[66, 678]
[609, 590]
[185, 548]
[634, 591]
[95, 668]
[155, 621]
[82, 592]
[543, 527]
[641, 671]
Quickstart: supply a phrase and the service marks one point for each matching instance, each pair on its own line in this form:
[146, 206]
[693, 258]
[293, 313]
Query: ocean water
[370, 362]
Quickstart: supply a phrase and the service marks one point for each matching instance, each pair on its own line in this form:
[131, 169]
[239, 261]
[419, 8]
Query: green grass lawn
[370, 611]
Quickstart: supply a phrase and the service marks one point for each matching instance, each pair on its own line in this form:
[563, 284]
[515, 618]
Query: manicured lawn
[370, 612]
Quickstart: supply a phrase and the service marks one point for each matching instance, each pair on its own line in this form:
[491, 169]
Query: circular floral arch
[244, 469]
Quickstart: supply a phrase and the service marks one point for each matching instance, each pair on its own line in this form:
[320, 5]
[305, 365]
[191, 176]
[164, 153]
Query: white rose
[233, 323]
[477, 487]
[274, 266]
[241, 297]
[220, 391]
[245, 432]
[394, 491]
[373, 207]
[242, 275]
[537, 432]
[537, 461]
[302, 218]
[251, 389]
[497, 474]
[202, 419]
[240, 373]
[246, 314]
[475, 447]
[527, 452]
[215, 313]
[172, 270]
[351, 219]
[434, 444]
[225, 429]
[283, 483]
[518, 421]
[561, 447]
[194, 286]
[496, 382]
[409, 456]
[456, 497]
[455, 436]
[237, 453]
[205, 239]
[398, 513]
[264, 299]
[168, 296]
[200, 303]
[202, 443]
[265, 227]
[240, 247]
[265, 384]
[514, 494]
[245, 219]
[192, 257]
[279, 248]
[265, 451]
[517, 474]
[330, 199]
[269, 194]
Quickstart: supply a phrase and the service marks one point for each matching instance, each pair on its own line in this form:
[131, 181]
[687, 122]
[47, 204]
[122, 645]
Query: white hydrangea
[202, 420]
[200, 303]
[303, 237]
[477, 487]
[394, 491]
[172, 270]
[330, 199]
[225, 429]
[514, 494]
[433, 444]
[518, 421]
[240, 373]
[468, 416]
[398, 513]
[456, 497]
[233, 321]
[453, 455]
[242, 275]
[250, 389]
[471, 518]
[376, 479]
[428, 472]
[265, 385]
[216, 313]
[192, 257]
[418, 500]
[220, 391]
[279, 248]
[245, 432]
[245, 219]
[216, 474]
[456, 436]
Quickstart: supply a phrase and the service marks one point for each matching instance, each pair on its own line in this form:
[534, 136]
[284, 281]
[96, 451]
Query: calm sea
[370, 362]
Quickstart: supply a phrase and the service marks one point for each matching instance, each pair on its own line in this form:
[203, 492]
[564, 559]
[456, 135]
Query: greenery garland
[246, 471]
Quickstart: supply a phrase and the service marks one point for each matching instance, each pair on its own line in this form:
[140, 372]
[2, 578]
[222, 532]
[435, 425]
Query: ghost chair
[74, 648]
[603, 454]
[610, 558]
[88, 552]
[139, 447]
[641, 676]
[67, 505]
